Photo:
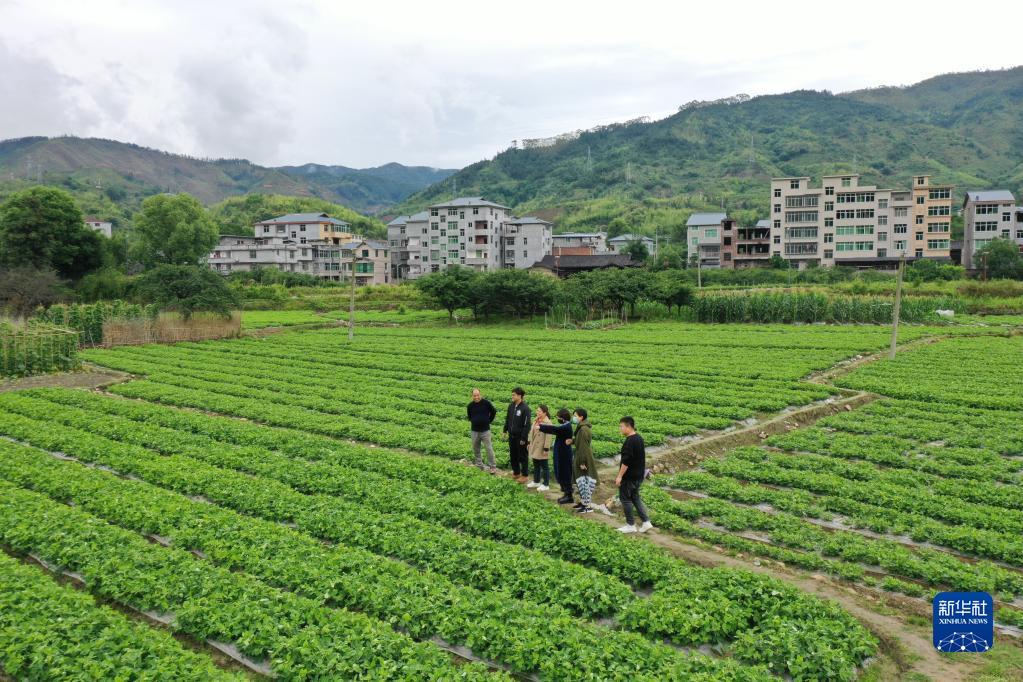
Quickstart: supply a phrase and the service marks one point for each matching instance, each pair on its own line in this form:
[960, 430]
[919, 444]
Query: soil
[90, 376]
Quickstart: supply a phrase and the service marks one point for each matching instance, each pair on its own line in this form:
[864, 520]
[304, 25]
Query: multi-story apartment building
[467, 231]
[704, 231]
[305, 227]
[241, 253]
[618, 244]
[334, 261]
[989, 215]
[846, 223]
[745, 247]
[526, 241]
[579, 243]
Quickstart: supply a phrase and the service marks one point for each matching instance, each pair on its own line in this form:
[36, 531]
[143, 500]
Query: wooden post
[898, 306]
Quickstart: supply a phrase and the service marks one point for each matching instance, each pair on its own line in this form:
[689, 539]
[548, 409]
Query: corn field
[36, 349]
[787, 307]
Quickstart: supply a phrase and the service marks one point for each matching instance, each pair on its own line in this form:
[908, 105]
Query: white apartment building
[526, 241]
[989, 215]
[242, 253]
[845, 223]
[704, 232]
[305, 227]
[467, 231]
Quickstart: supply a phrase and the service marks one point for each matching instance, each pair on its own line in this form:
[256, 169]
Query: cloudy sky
[444, 83]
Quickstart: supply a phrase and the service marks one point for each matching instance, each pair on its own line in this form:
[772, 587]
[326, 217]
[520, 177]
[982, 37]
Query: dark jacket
[634, 457]
[480, 415]
[583, 442]
[518, 421]
[562, 432]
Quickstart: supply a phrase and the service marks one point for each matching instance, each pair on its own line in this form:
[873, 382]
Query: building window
[829, 191]
[475, 211]
[941, 210]
[1019, 234]
[855, 197]
[986, 226]
[777, 192]
[828, 253]
[920, 199]
[712, 233]
[829, 238]
[525, 254]
[829, 222]
[900, 228]
[846, 182]
[919, 253]
[793, 184]
[919, 220]
[525, 241]
[882, 203]
[777, 223]
[986, 209]
[919, 235]
[777, 208]
[510, 241]
[937, 243]
[882, 220]
[900, 245]
[882, 236]
[941, 193]
[829, 205]
[882, 253]
[777, 239]
[901, 212]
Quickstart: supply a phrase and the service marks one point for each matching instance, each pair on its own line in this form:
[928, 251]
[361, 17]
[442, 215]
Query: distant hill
[112, 178]
[961, 128]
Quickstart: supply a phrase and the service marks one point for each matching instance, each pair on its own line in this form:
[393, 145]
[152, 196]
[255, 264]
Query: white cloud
[443, 83]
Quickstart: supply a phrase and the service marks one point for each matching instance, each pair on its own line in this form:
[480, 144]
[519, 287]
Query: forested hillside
[962, 128]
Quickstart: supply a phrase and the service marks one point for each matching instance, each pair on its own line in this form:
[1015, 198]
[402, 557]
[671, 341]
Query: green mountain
[966, 129]
[110, 179]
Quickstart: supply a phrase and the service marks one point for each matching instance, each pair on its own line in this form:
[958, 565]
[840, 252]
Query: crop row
[299, 638]
[787, 531]
[51, 631]
[902, 453]
[964, 434]
[558, 533]
[424, 604]
[511, 567]
[965, 539]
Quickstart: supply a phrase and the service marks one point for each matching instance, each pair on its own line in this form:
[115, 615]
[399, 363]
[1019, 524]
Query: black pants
[563, 471]
[628, 493]
[519, 456]
[542, 471]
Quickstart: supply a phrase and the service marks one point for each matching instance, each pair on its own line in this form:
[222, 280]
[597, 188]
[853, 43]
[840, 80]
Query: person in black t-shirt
[481, 412]
[630, 477]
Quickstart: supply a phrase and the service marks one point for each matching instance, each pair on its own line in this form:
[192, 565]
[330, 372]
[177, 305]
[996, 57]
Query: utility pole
[898, 307]
[351, 301]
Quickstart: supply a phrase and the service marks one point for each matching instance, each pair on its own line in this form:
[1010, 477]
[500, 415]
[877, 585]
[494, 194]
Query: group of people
[569, 441]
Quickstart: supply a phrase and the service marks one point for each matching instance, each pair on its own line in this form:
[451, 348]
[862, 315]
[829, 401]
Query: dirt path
[90, 376]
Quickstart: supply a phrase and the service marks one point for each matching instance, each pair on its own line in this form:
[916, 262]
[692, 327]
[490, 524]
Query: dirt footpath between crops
[90, 376]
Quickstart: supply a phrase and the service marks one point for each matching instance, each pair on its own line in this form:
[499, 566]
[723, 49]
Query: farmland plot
[316, 556]
[917, 492]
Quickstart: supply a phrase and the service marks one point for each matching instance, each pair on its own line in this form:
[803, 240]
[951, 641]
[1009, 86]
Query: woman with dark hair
[540, 451]
[584, 467]
[562, 453]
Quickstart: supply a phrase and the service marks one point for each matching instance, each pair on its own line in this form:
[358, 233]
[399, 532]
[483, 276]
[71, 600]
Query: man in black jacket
[480, 413]
[631, 472]
[516, 427]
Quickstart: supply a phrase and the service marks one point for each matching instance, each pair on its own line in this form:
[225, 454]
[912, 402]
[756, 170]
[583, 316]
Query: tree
[23, 289]
[173, 229]
[516, 292]
[671, 287]
[187, 289]
[637, 249]
[668, 258]
[452, 288]
[927, 270]
[42, 228]
[778, 263]
[1004, 260]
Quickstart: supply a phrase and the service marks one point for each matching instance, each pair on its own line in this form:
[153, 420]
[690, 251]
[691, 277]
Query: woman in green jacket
[584, 467]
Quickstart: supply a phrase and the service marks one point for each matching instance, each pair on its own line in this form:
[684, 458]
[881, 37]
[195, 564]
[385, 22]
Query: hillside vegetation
[110, 178]
[961, 128]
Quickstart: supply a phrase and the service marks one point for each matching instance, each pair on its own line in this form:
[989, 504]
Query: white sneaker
[627, 528]
[645, 527]
[532, 484]
[543, 488]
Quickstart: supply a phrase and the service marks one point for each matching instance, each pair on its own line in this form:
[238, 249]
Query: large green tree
[173, 229]
[42, 228]
[1004, 260]
[187, 289]
[452, 288]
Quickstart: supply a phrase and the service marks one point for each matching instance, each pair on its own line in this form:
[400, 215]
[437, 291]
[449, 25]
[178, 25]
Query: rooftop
[528, 220]
[404, 219]
[763, 223]
[705, 219]
[629, 237]
[991, 195]
[372, 243]
[303, 218]
[577, 235]
[466, 202]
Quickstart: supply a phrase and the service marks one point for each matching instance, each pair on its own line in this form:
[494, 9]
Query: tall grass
[810, 306]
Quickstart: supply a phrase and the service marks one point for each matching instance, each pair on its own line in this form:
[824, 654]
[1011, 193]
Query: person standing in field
[630, 477]
[562, 453]
[480, 413]
[584, 467]
[540, 451]
[516, 428]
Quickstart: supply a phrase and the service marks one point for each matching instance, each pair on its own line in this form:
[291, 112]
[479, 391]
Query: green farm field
[300, 506]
